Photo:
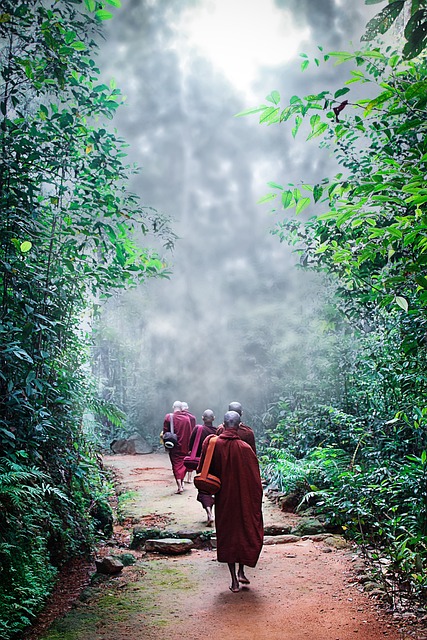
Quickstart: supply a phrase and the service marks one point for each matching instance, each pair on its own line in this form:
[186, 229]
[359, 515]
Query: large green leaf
[103, 14]
[382, 22]
[302, 204]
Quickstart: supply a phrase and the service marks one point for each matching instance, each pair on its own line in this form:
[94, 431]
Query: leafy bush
[299, 431]
[382, 504]
[384, 508]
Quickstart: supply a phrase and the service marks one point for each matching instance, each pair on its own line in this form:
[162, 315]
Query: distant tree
[372, 234]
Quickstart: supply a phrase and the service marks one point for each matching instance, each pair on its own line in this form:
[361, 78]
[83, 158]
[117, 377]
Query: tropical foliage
[367, 232]
[414, 15]
[70, 235]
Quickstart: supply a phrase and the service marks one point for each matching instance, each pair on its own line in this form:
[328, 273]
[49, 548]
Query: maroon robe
[192, 418]
[244, 432]
[238, 504]
[205, 498]
[182, 428]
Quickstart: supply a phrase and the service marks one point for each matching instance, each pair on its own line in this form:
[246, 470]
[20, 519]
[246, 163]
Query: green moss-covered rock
[127, 559]
[308, 527]
[141, 534]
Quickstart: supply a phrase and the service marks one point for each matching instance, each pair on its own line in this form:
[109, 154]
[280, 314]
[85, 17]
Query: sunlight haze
[240, 37]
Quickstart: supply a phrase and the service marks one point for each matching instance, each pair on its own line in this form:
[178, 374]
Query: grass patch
[139, 604]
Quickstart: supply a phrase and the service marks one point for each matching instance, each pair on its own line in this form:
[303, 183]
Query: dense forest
[69, 225]
[362, 457]
[331, 363]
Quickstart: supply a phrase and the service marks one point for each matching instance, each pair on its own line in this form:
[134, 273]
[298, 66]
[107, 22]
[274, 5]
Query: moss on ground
[132, 600]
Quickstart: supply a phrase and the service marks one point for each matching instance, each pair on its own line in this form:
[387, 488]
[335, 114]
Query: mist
[236, 319]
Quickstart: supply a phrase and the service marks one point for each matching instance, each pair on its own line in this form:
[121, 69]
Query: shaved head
[231, 420]
[235, 406]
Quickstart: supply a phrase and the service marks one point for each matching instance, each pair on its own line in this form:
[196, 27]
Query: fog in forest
[236, 320]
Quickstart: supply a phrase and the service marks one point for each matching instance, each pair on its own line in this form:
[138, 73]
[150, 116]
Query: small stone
[285, 539]
[108, 565]
[169, 546]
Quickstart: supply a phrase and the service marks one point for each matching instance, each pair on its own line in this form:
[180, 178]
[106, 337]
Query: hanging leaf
[267, 198]
[341, 92]
[287, 199]
[422, 281]
[416, 34]
[402, 302]
[249, 112]
[78, 46]
[270, 115]
[317, 192]
[321, 128]
[302, 204]
[274, 97]
[25, 246]
[418, 89]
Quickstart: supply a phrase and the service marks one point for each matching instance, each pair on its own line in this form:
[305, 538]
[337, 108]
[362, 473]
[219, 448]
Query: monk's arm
[192, 438]
[252, 443]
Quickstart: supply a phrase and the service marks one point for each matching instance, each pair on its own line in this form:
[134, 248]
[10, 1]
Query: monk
[185, 409]
[208, 429]
[238, 514]
[182, 428]
[244, 432]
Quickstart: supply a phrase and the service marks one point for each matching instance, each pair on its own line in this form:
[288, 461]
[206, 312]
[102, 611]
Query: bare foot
[243, 579]
[179, 491]
[209, 523]
[234, 589]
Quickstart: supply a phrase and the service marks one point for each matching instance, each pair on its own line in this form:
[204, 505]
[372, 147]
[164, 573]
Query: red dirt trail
[297, 591]
[300, 591]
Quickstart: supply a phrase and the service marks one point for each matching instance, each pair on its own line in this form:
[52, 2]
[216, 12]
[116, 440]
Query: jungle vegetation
[70, 235]
[349, 433]
[353, 443]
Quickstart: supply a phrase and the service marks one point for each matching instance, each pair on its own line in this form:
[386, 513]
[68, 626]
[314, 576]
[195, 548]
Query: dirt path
[301, 591]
